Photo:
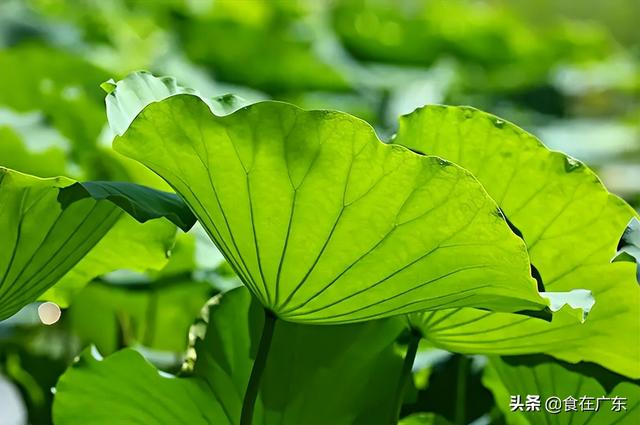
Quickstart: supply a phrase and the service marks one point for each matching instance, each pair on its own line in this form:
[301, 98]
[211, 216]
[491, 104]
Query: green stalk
[405, 374]
[461, 389]
[259, 364]
[151, 315]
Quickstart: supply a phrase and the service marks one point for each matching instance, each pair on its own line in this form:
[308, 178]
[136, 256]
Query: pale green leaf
[326, 224]
[579, 301]
[571, 225]
[128, 97]
[41, 241]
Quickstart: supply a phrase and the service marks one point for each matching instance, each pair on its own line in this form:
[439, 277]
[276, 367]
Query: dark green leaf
[454, 391]
[298, 387]
[154, 310]
[156, 315]
[124, 388]
[424, 419]
[267, 53]
[141, 202]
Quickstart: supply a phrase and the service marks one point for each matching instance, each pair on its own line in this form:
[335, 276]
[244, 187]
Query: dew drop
[571, 164]
[498, 123]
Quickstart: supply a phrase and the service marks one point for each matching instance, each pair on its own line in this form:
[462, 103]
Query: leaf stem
[259, 364]
[405, 373]
[461, 390]
[151, 315]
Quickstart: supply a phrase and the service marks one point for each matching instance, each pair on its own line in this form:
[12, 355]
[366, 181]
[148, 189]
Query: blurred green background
[566, 70]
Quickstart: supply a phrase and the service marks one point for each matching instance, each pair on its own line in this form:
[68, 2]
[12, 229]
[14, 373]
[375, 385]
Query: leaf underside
[128, 97]
[141, 202]
[586, 383]
[326, 224]
[571, 225]
[41, 241]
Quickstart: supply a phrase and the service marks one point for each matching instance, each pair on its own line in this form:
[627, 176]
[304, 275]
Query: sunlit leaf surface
[41, 241]
[326, 224]
[571, 225]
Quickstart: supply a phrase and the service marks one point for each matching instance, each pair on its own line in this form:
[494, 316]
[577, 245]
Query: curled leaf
[141, 202]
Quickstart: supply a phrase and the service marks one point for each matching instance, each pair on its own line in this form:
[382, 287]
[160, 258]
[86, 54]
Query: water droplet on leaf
[571, 164]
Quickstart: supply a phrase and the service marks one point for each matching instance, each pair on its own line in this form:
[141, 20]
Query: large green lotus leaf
[125, 389]
[326, 224]
[127, 245]
[41, 241]
[298, 386]
[571, 226]
[578, 386]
